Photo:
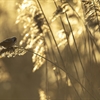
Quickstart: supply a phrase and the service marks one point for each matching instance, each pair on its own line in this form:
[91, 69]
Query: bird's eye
[14, 39]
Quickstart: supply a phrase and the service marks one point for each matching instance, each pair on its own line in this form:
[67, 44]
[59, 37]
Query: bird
[9, 42]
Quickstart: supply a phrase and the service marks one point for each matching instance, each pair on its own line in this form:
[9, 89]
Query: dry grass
[63, 38]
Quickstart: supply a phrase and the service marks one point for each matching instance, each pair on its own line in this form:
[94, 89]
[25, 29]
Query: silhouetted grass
[63, 38]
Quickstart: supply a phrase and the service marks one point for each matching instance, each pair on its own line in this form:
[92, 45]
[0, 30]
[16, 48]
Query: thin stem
[64, 71]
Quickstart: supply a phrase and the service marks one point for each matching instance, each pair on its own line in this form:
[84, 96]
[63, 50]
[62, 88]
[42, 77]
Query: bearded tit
[9, 42]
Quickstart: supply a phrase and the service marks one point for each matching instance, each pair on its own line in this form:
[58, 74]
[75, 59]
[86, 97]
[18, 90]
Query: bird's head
[14, 39]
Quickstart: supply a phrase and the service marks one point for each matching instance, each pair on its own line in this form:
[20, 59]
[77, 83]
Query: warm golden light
[57, 52]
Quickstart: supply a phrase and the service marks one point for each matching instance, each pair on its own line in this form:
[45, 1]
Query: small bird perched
[9, 42]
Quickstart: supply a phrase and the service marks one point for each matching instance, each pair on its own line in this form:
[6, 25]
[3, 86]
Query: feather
[9, 42]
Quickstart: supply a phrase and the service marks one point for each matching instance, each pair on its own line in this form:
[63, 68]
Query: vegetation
[62, 39]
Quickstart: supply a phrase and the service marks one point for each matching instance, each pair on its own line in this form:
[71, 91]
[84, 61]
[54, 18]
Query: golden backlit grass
[63, 38]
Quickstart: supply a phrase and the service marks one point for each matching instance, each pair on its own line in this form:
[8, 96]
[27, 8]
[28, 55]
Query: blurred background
[69, 34]
[17, 81]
